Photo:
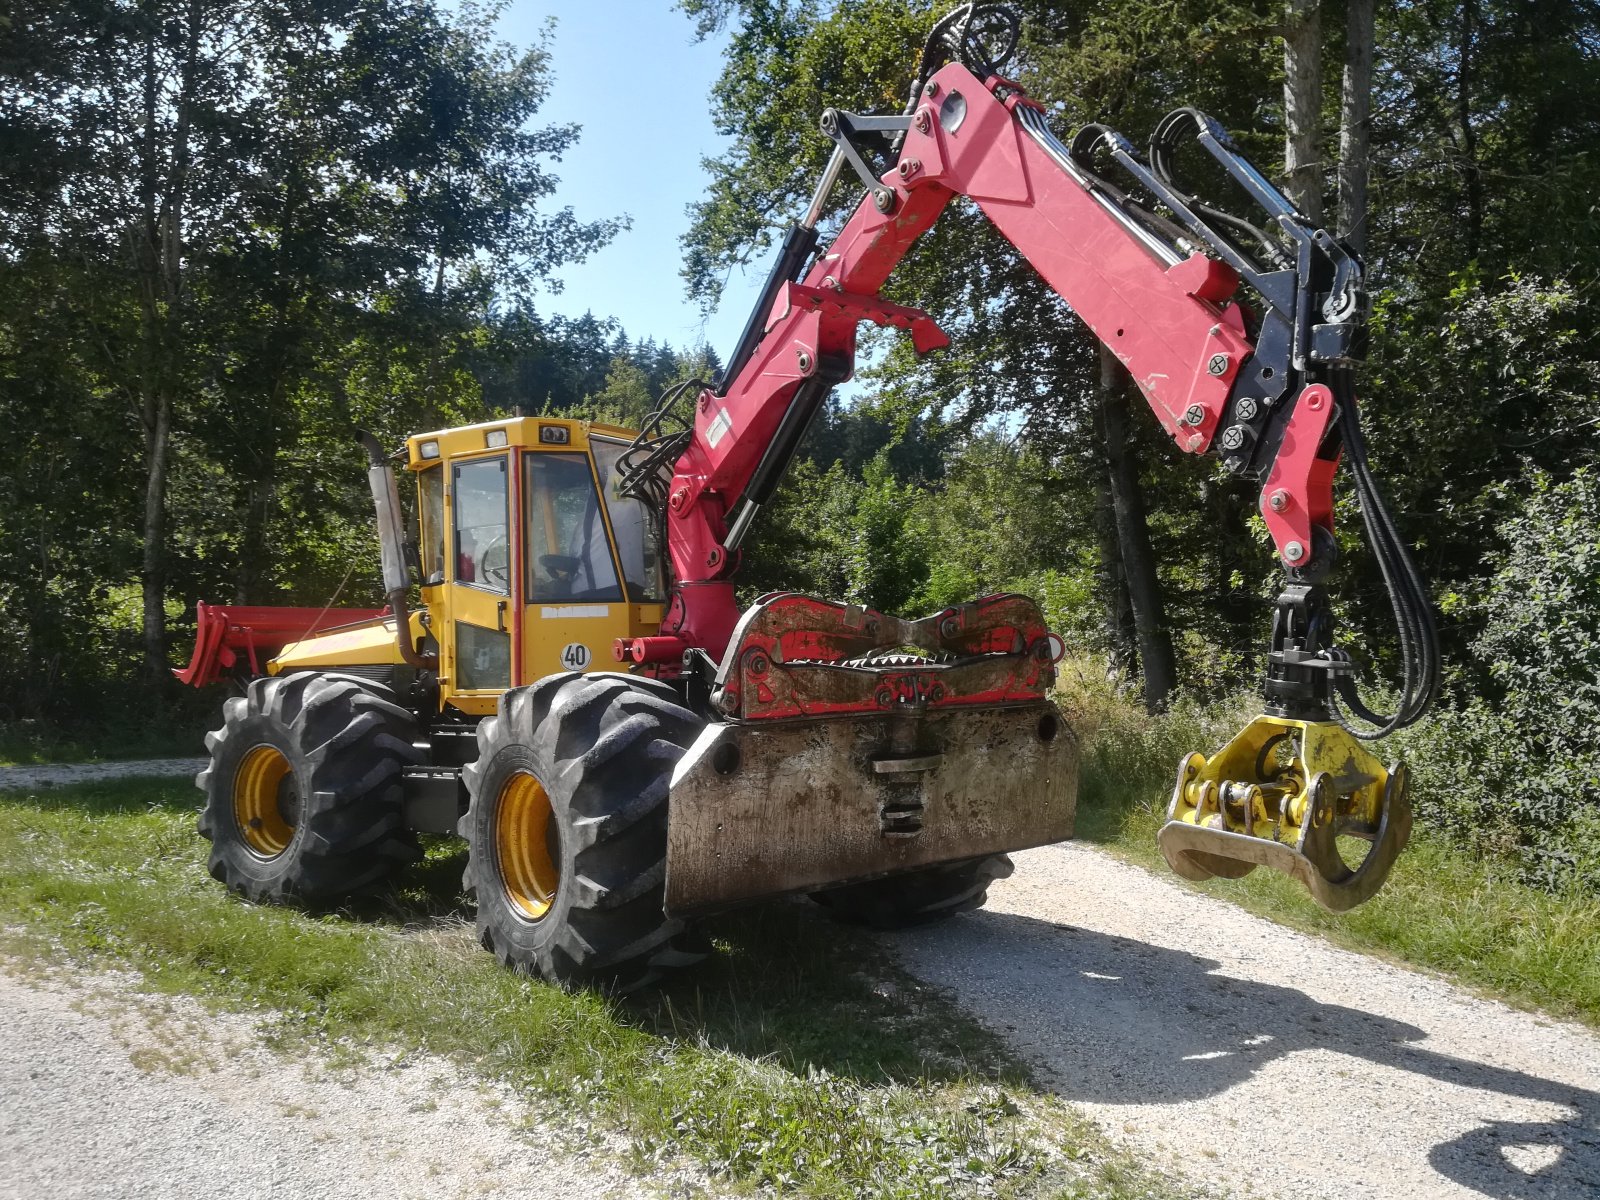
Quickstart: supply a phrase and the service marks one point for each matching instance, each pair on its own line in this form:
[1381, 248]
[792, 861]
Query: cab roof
[528, 433]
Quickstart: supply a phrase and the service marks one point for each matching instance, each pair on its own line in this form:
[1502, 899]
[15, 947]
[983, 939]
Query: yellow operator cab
[531, 562]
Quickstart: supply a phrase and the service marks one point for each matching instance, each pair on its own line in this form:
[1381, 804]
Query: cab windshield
[638, 543]
[569, 555]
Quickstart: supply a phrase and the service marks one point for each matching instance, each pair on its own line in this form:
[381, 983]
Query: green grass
[30, 743]
[1465, 915]
[798, 1059]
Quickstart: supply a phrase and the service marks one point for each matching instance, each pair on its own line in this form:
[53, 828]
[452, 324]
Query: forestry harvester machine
[885, 766]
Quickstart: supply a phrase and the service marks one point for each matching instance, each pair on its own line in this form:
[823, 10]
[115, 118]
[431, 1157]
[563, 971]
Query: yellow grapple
[1283, 794]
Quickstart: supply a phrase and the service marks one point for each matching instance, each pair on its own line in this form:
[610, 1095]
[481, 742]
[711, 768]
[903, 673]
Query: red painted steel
[1174, 327]
[226, 633]
[1300, 481]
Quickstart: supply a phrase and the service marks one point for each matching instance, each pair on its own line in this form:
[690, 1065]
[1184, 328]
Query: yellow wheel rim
[256, 790]
[526, 846]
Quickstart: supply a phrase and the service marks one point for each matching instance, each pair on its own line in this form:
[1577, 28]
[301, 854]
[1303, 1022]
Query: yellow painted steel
[521, 433]
[556, 635]
[371, 643]
[257, 787]
[527, 846]
[1282, 794]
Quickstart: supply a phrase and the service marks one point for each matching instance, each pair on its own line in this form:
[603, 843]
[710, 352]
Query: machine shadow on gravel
[776, 989]
[1093, 998]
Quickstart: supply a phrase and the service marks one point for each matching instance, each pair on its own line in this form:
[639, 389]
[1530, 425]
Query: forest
[230, 234]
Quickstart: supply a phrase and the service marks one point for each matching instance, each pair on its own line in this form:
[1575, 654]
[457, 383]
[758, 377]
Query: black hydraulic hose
[1419, 638]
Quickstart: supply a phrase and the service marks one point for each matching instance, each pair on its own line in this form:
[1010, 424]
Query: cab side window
[430, 486]
[482, 548]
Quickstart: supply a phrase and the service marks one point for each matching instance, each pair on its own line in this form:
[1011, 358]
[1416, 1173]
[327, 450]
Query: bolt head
[1232, 437]
[803, 359]
[1294, 552]
[1195, 442]
[1278, 501]
[883, 199]
[1246, 408]
[1218, 364]
[931, 90]
[1195, 415]
[924, 123]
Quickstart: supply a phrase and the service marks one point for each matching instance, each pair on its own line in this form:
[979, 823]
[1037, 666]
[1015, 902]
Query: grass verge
[799, 1059]
[1468, 916]
[31, 744]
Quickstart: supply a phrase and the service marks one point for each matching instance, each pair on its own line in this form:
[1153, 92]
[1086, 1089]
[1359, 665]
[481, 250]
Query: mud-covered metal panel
[765, 808]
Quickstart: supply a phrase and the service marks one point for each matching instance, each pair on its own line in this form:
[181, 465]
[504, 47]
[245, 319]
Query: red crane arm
[1169, 317]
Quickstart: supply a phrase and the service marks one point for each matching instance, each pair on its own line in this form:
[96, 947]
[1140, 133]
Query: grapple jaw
[1282, 794]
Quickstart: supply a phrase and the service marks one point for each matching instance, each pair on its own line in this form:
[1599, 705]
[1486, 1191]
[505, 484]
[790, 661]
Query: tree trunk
[160, 261]
[1470, 170]
[1133, 537]
[153, 566]
[1302, 106]
[1119, 626]
[1355, 125]
[249, 587]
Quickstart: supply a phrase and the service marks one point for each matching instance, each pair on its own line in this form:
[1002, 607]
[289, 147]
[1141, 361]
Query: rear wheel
[567, 830]
[916, 897]
[302, 795]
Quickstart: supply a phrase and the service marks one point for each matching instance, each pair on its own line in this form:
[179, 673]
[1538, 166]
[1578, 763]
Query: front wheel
[567, 830]
[916, 897]
[303, 796]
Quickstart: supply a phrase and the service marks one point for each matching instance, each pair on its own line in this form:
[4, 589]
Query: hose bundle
[1419, 639]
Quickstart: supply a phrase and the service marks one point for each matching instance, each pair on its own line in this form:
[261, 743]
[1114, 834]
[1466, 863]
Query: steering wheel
[494, 563]
[560, 565]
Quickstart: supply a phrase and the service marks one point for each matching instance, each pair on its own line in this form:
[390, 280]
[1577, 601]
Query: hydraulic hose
[1419, 637]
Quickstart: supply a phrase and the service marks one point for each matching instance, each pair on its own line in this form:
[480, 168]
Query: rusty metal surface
[764, 808]
[795, 655]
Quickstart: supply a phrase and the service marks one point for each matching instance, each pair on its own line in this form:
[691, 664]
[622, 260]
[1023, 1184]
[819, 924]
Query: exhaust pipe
[391, 542]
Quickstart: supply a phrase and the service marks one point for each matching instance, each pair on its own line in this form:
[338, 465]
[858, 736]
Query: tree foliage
[1482, 259]
[230, 235]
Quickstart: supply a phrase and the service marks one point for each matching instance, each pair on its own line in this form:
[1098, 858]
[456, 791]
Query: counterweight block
[1282, 794]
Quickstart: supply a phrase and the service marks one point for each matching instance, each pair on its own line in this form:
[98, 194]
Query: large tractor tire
[567, 830]
[303, 797]
[916, 897]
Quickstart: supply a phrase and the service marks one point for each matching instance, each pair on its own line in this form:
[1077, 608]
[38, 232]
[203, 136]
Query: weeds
[797, 1059]
[1468, 915]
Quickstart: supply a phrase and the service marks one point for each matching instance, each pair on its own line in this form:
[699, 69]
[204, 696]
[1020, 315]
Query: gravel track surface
[1237, 1050]
[64, 773]
[107, 1093]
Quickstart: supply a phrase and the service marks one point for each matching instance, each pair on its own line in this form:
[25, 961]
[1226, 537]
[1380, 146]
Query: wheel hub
[261, 788]
[527, 847]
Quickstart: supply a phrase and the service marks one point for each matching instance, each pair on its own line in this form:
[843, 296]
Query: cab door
[484, 559]
[575, 603]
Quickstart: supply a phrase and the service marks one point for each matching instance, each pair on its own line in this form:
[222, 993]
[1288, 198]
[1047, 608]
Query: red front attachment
[225, 635]
[798, 656]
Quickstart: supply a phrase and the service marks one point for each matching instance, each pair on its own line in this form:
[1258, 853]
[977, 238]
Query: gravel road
[65, 773]
[111, 1094]
[1263, 1059]
[1212, 1042]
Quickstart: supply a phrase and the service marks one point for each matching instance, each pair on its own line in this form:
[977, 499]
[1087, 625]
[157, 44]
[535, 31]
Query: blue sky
[631, 73]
